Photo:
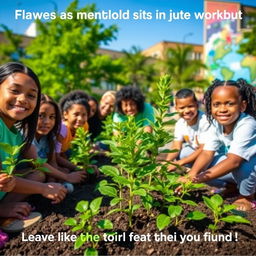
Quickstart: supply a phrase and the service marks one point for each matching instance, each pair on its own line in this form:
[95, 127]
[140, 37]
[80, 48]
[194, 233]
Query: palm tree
[138, 69]
[183, 69]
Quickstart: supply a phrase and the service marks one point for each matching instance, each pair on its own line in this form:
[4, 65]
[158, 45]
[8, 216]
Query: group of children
[219, 145]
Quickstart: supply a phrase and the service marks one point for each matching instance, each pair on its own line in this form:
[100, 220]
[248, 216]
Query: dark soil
[240, 237]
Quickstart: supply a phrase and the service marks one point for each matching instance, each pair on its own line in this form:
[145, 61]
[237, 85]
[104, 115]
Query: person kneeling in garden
[229, 154]
[190, 130]
[131, 102]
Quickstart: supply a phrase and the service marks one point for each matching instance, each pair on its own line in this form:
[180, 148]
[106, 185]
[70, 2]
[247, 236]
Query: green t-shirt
[9, 136]
[147, 116]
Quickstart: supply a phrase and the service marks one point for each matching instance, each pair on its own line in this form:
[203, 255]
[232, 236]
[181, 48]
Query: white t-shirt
[193, 135]
[241, 141]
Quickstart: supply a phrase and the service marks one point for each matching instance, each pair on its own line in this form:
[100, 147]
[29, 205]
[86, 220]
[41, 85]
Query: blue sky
[141, 33]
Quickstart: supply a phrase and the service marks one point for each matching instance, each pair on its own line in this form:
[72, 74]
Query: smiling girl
[20, 100]
[229, 155]
[48, 127]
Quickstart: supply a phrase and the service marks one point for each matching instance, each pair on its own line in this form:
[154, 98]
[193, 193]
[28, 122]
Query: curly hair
[75, 97]
[45, 99]
[246, 91]
[130, 93]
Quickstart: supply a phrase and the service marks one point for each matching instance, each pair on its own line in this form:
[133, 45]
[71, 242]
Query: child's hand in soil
[7, 183]
[76, 177]
[172, 167]
[17, 210]
[54, 191]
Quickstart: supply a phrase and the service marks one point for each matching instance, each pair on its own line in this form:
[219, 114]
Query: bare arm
[203, 160]
[176, 145]
[64, 162]
[227, 165]
[53, 191]
[74, 177]
[192, 157]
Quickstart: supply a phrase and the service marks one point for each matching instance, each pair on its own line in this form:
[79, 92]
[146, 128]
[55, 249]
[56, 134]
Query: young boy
[190, 130]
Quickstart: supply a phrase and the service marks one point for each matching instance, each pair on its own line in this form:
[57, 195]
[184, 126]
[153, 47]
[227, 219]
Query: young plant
[132, 159]
[87, 211]
[220, 210]
[175, 217]
[11, 161]
[107, 132]
[82, 150]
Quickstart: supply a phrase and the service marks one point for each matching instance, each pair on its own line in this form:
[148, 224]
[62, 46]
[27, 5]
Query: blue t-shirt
[42, 147]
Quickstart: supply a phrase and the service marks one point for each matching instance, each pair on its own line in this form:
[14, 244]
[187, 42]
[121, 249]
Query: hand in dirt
[76, 177]
[201, 177]
[7, 182]
[182, 179]
[172, 168]
[17, 210]
[54, 191]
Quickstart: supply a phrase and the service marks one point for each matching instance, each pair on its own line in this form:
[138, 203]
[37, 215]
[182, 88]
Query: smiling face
[106, 106]
[76, 116]
[188, 109]
[46, 119]
[129, 107]
[19, 95]
[226, 106]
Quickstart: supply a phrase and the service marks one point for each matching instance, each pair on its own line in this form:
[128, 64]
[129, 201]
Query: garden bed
[240, 237]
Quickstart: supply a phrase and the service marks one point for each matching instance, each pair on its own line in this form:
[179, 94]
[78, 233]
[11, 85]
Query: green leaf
[110, 170]
[78, 227]
[105, 224]
[25, 161]
[189, 202]
[235, 218]
[121, 180]
[43, 169]
[95, 204]
[91, 252]
[70, 222]
[140, 192]
[217, 200]
[115, 210]
[209, 203]
[135, 207]
[196, 215]
[7, 148]
[79, 242]
[82, 206]
[90, 170]
[212, 227]
[165, 151]
[162, 221]
[108, 191]
[228, 207]
[174, 210]
[115, 201]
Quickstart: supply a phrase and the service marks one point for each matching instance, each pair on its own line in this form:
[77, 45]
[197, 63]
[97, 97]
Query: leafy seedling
[216, 204]
[84, 222]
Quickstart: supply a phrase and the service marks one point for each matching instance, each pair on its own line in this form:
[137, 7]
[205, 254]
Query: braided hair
[246, 91]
